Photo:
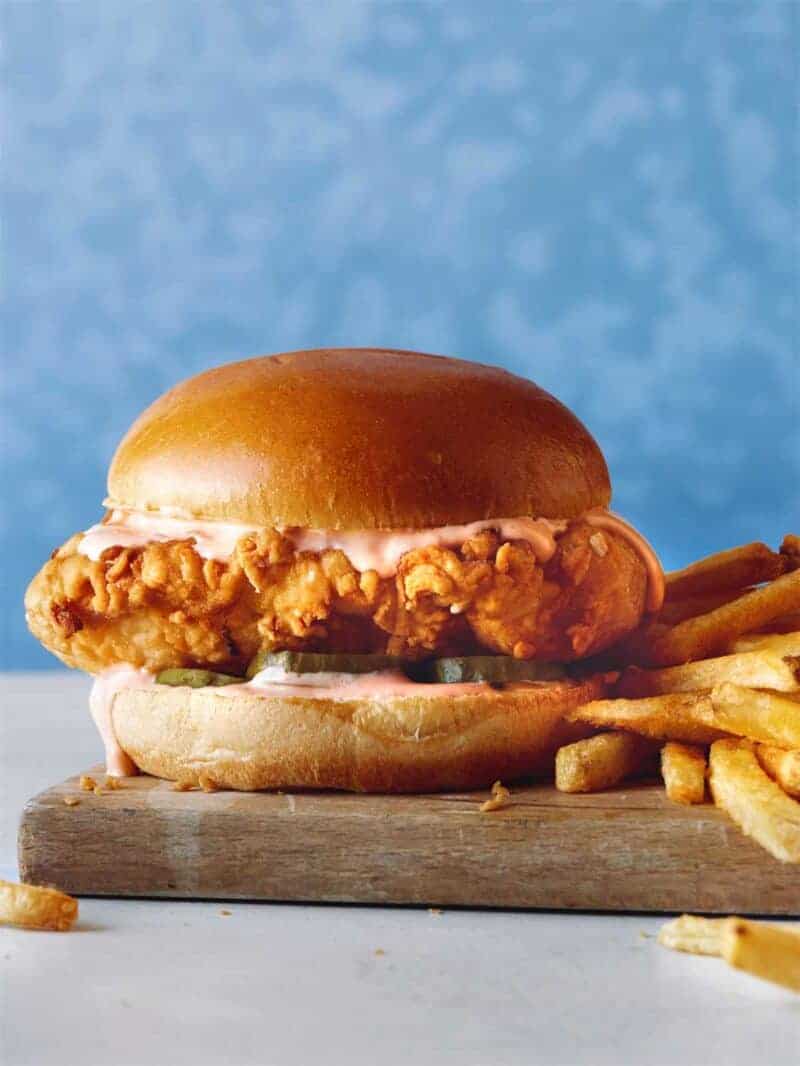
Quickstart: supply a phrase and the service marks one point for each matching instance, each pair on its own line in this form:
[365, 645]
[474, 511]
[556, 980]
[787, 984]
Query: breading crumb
[225, 913]
[501, 797]
[379, 951]
[435, 911]
[88, 784]
[113, 784]
[207, 783]
[71, 801]
[98, 790]
[599, 544]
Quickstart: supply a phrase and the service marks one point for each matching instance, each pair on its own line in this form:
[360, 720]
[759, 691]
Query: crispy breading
[163, 605]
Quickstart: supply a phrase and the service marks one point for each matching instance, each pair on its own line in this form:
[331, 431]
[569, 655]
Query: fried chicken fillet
[164, 605]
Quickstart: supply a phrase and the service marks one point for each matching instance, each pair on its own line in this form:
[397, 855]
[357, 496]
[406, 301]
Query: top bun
[359, 438]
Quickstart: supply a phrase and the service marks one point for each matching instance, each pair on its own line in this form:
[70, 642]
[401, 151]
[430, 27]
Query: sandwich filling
[158, 590]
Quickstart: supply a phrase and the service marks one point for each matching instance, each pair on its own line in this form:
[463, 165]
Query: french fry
[683, 767]
[790, 550]
[683, 716]
[767, 951]
[697, 936]
[760, 808]
[709, 634]
[782, 766]
[600, 762]
[758, 669]
[782, 644]
[736, 568]
[758, 715]
[785, 623]
[34, 907]
[635, 647]
[676, 611]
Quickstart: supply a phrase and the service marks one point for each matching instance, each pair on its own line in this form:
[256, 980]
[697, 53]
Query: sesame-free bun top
[358, 438]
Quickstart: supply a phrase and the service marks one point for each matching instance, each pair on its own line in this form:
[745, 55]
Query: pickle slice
[312, 662]
[494, 669]
[195, 678]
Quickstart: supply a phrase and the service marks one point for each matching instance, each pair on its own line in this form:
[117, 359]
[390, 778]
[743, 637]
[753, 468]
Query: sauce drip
[101, 703]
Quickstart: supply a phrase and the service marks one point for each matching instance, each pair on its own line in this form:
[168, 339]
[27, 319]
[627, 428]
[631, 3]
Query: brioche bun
[403, 743]
[358, 438]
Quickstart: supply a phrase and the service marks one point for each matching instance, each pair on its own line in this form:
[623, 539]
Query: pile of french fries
[711, 687]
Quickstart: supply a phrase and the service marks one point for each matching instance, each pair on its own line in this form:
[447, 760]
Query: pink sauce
[270, 682]
[135, 529]
[381, 684]
[379, 550]
[101, 702]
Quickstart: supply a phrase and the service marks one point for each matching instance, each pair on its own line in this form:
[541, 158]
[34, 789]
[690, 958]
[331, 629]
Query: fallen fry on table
[759, 806]
[34, 907]
[683, 767]
[766, 951]
[601, 761]
[692, 934]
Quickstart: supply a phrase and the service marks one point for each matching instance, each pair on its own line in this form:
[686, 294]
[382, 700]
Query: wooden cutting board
[627, 849]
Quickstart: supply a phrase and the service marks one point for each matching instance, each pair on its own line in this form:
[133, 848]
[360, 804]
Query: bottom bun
[403, 743]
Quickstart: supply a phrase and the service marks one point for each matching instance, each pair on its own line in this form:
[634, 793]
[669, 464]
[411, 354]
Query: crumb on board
[225, 913]
[379, 951]
[98, 790]
[501, 797]
[113, 784]
[435, 911]
[71, 801]
[87, 783]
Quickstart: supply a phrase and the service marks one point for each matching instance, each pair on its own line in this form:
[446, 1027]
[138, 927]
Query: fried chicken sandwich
[362, 569]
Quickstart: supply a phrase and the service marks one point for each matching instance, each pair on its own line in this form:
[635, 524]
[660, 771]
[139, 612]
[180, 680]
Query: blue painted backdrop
[601, 196]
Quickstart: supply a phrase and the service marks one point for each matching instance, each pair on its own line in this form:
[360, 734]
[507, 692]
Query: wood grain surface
[626, 849]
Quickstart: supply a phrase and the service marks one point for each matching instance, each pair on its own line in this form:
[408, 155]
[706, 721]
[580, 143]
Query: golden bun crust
[406, 743]
[357, 438]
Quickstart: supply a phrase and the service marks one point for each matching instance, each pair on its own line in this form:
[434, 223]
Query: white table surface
[170, 983]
